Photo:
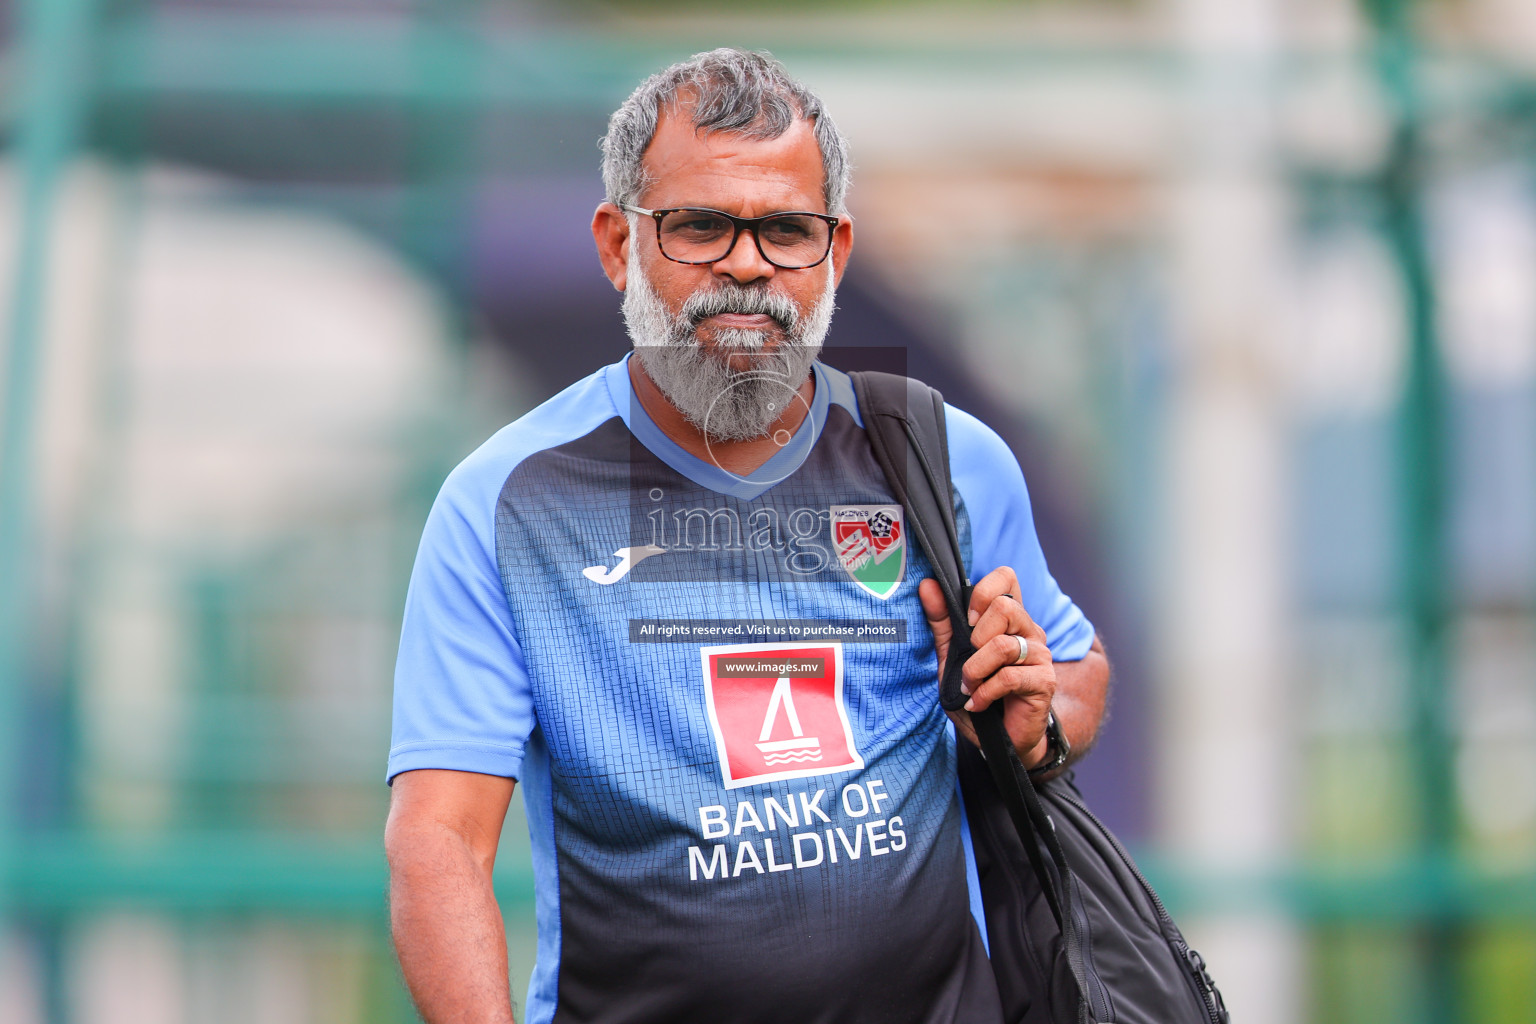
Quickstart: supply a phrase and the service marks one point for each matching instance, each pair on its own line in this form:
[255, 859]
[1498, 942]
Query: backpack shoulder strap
[904, 419]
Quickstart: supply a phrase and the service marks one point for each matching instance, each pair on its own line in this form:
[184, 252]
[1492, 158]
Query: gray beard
[722, 403]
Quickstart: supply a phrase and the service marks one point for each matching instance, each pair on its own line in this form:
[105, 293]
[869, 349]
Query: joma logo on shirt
[777, 711]
[628, 559]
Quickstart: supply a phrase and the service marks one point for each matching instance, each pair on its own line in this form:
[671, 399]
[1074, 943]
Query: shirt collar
[779, 466]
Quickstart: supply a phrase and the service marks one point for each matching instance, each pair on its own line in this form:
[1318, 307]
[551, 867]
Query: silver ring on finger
[1023, 649]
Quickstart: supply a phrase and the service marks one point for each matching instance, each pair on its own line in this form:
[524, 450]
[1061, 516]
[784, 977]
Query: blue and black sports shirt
[719, 696]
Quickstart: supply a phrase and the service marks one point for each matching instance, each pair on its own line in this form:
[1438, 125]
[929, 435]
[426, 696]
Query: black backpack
[1076, 934]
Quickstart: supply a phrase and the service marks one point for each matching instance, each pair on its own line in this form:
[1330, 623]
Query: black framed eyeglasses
[690, 234]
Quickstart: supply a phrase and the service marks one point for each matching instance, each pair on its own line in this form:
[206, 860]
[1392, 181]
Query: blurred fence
[210, 492]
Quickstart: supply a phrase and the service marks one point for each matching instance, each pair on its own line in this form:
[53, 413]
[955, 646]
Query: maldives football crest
[777, 711]
[871, 544]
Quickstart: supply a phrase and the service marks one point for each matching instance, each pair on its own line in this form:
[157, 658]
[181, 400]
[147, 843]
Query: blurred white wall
[239, 391]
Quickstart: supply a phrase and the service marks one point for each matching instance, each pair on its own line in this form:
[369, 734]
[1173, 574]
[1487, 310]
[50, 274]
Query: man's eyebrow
[728, 213]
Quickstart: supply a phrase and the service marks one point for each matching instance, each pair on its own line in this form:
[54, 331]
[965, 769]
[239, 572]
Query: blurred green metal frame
[57, 37]
[342, 62]
[1422, 472]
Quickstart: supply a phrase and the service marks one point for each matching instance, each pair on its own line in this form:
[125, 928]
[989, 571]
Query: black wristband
[1057, 749]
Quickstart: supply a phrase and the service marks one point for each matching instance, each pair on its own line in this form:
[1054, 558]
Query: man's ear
[610, 230]
[842, 245]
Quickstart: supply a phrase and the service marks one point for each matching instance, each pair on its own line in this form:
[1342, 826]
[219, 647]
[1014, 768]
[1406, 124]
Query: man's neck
[739, 457]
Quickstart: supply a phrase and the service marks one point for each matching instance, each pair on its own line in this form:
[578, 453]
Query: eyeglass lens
[790, 240]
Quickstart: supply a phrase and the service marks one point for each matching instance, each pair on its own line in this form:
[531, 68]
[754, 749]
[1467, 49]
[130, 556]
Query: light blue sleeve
[462, 696]
[996, 499]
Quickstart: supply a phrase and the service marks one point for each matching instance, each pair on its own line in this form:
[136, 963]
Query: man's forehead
[731, 171]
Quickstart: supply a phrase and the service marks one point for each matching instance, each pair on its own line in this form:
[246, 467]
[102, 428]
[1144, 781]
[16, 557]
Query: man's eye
[697, 226]
[786, 230]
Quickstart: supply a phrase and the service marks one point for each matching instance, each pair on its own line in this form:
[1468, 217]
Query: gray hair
[729, 90]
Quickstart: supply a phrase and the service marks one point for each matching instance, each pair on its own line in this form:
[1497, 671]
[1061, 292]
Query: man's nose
[744, 262]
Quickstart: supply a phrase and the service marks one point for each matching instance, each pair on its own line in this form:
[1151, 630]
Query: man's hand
[441, 840]
[1077, 690]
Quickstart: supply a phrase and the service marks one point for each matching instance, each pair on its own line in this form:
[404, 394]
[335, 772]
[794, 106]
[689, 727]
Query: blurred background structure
[1249, 285]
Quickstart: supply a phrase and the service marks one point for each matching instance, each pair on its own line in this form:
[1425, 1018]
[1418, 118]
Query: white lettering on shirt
[780, 848]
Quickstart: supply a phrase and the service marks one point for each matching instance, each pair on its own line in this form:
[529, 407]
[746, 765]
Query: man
[750, 826]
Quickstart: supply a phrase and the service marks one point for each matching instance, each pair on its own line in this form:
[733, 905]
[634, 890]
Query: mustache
[730, 297]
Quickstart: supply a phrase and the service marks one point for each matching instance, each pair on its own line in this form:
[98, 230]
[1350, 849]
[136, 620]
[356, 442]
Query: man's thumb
[935, 610]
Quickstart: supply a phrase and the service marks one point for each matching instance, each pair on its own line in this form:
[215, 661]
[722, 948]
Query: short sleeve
[991, 485]
[462, 696]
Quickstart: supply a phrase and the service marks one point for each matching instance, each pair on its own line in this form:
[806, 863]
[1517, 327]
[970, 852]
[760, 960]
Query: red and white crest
[777, 711]
[871, 545]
